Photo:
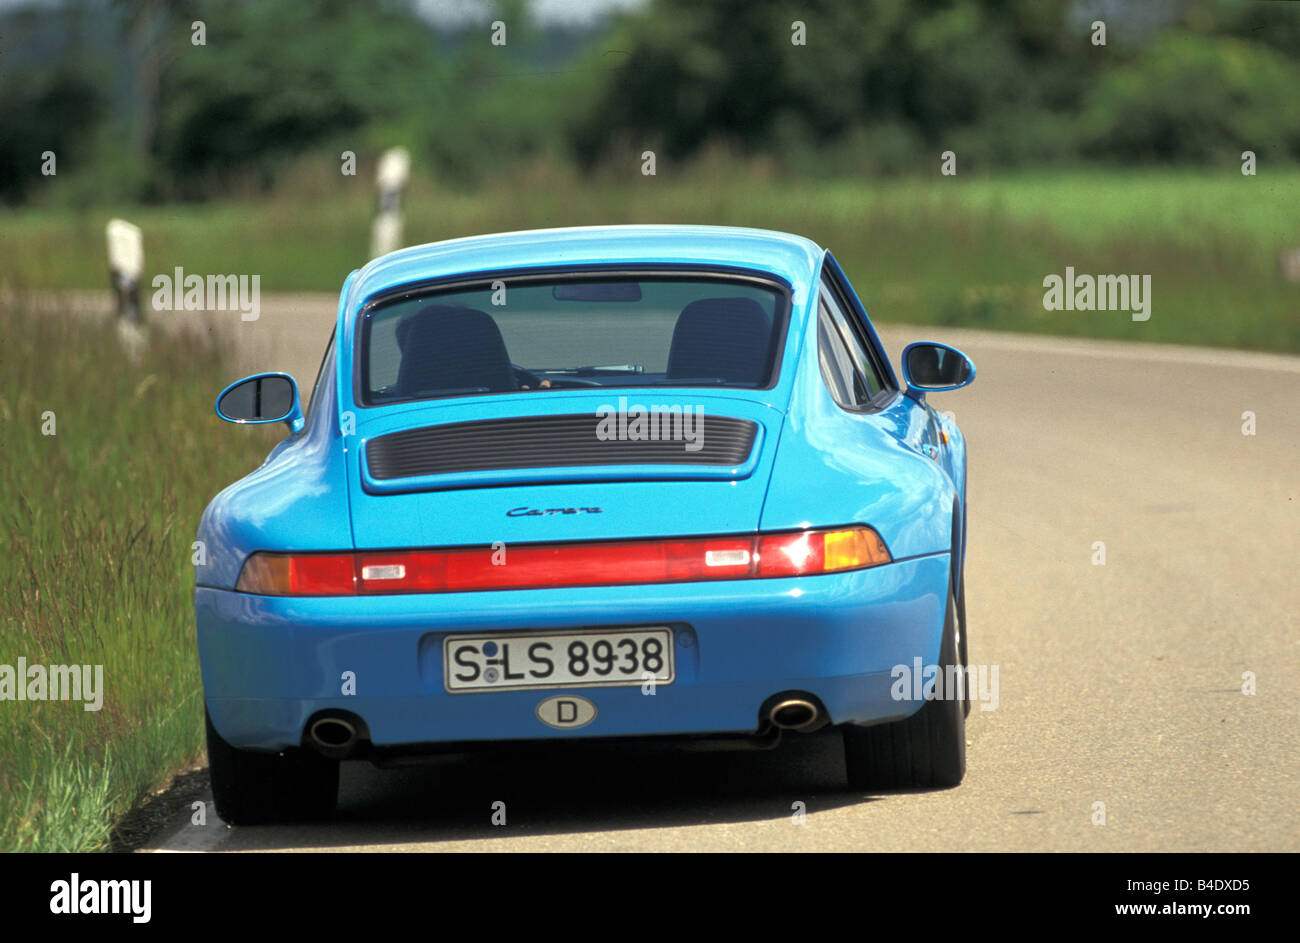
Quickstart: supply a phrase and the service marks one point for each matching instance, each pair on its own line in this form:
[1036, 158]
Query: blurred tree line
[136, 110]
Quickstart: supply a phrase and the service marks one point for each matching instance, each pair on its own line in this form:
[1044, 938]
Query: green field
[95, 566]
[936, 250]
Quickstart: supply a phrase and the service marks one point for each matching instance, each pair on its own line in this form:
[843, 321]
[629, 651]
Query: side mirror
[265, 397]
[931, 368]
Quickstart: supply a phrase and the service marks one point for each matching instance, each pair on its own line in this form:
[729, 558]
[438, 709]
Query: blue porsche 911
[603, 483]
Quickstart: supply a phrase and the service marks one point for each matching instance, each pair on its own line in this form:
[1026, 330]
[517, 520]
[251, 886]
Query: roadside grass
[963, 251]
[96, 526]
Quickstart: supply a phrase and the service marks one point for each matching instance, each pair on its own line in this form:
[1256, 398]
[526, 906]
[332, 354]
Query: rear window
[533, 334]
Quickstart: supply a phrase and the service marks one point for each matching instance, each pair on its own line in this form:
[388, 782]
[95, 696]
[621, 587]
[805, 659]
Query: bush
[1192, 98]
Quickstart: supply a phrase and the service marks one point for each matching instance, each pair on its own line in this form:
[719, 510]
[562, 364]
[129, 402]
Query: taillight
[298, 574]
[829, 551]
[538, 566]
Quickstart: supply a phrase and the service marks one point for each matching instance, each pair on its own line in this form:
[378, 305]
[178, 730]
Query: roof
[793, 258]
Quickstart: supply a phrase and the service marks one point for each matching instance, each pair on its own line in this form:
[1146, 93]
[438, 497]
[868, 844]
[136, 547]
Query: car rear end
[682, 658]
[571, 550]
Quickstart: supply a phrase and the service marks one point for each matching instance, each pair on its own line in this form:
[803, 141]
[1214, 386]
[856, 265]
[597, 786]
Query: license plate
[569, 660]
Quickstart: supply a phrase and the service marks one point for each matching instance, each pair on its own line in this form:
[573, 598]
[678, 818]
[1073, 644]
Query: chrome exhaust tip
[794, 714]
[333, 736]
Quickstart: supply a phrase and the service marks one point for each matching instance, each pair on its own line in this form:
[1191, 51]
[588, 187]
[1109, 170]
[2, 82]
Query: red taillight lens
[828, 551]
[534, 566]
[298, 574]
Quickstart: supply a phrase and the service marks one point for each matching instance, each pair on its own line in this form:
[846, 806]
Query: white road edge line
[190, 839]
[1106, 349]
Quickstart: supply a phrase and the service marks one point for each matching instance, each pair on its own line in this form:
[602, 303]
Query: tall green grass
[923, 250]
[96, 525]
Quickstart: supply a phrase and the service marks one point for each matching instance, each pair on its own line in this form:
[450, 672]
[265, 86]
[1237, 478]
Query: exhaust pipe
[794, 714]
[333, 736]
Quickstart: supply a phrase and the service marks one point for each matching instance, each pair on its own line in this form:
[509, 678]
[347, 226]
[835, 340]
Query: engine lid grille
[560, 441]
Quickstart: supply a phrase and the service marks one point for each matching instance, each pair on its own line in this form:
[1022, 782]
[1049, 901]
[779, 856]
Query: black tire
[961, 644]
[258, 788]
[927, 750]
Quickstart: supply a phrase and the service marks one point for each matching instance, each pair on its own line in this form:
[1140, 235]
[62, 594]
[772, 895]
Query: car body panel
[835, 464]
[270, 663]
[450, 510]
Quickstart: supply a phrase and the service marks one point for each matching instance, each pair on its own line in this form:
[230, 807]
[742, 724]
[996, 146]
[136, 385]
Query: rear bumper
[270, 663]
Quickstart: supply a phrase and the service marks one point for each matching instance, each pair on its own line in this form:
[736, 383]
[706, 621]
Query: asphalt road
[1119, 683]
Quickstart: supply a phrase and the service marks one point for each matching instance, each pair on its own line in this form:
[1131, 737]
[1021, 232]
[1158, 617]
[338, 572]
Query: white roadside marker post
[390, 180]
[125, 267]
[1289, 262]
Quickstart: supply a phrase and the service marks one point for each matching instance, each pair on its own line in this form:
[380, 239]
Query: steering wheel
[526, 378]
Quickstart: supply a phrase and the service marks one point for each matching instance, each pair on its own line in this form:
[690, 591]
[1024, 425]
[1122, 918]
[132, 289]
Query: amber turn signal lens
[266, 574]
[851, 549]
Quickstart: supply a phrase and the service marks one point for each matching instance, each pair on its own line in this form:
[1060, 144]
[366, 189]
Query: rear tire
[927, 750]
[962, 648]
[252, 788]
